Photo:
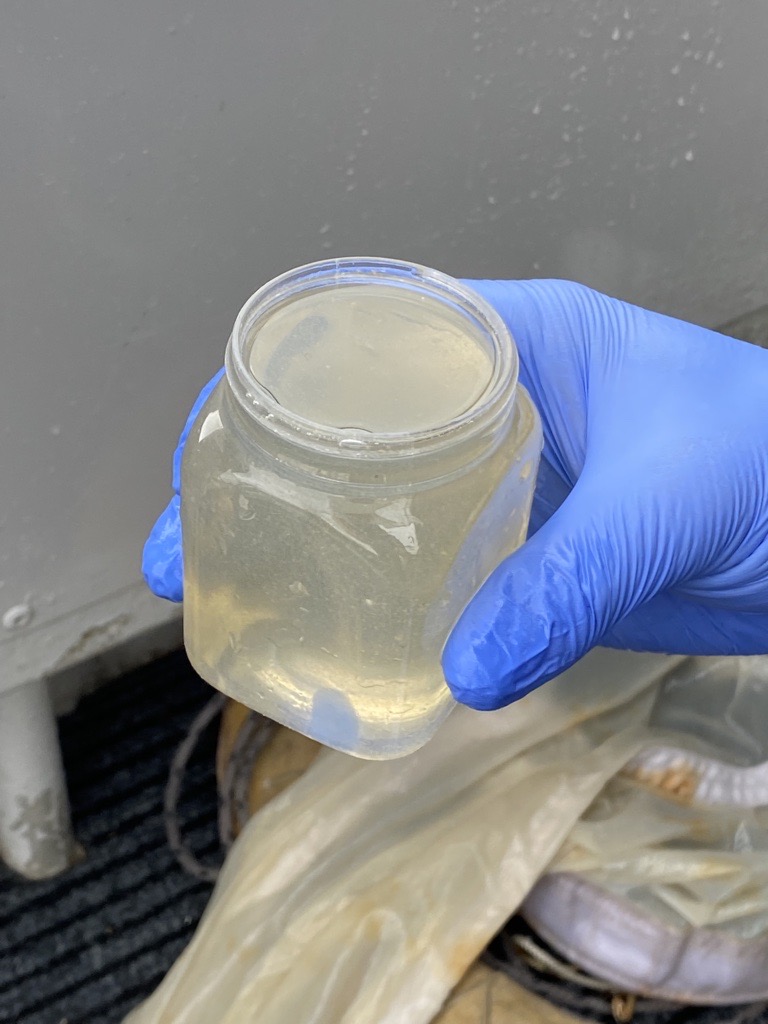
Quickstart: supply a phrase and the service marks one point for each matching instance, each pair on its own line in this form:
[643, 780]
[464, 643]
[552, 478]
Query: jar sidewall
[239, 454]
[245, 442]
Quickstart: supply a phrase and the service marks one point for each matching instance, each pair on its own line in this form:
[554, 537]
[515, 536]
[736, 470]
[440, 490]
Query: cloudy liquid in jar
[371, 358]
[326, 608]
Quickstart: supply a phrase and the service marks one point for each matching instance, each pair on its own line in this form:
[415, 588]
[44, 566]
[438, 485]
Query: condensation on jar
[364, 464]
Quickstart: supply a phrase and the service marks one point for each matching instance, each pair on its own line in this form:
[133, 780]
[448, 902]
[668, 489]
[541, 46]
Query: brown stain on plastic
[284, 758]
[462, 955]
[679, 781]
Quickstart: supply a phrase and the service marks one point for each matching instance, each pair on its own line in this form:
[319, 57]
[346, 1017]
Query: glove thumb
[549, 602]
[162, 559]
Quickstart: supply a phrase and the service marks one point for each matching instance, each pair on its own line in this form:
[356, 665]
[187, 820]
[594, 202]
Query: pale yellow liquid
[327, 610]
[376, 358]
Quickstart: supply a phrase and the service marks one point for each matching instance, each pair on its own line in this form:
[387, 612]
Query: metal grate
[89, 945]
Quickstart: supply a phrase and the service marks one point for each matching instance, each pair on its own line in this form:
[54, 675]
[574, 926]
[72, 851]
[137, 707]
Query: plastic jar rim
[258, 402]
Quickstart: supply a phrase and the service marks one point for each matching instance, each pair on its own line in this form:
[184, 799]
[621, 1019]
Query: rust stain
[679, 781]
[623, 1007]
[233, 719]
[284, 758]
[462, 955]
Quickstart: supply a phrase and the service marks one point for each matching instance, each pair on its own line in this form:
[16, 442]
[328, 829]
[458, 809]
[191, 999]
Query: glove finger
[670, 624]
[161, 562]
[551, 601]
[549, 322]
[162, 559]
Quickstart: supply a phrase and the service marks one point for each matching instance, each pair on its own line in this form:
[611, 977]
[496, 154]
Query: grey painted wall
[161, 159]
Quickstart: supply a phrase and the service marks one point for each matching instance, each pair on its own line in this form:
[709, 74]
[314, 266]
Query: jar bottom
[363, 720]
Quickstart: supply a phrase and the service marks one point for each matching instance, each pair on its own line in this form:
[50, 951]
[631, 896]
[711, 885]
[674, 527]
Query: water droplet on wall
[17, 617]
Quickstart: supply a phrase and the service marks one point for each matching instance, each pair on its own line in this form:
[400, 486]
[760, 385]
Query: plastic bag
[363, 893]
[486, 996]
[662, 886]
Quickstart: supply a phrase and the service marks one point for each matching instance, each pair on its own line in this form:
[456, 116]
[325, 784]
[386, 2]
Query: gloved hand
[650, 519]
[162, 563]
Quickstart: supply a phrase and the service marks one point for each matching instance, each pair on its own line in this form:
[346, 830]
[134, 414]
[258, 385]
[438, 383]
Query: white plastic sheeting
[665, 889]
[363, 893]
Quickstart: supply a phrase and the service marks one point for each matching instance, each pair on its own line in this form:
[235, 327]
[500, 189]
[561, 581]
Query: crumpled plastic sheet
[487, 996]
[664, 884]
[690, 867]
[364, 892]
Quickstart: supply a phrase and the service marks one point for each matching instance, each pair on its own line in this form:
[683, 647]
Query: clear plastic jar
[366, 462]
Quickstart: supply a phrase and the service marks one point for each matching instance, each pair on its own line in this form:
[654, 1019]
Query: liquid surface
[372, 358]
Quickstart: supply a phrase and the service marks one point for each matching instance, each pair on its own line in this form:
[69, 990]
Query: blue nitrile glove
[650, 521]
[162, 562]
